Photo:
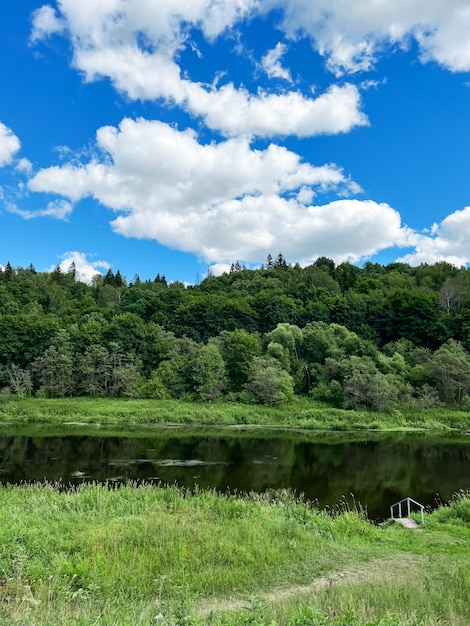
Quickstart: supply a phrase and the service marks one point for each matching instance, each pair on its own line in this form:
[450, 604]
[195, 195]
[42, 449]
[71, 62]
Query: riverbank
[144, 555]
[302, 414]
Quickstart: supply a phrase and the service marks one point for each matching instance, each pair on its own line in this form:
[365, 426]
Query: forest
[376, 336]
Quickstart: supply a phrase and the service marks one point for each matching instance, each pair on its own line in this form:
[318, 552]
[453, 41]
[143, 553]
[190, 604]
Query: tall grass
[303, 414]
[131, 537]
[145, 555]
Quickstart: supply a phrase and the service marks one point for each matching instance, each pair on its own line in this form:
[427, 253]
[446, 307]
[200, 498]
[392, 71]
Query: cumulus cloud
[222, 201]
[57, 209]
[235, 111]
[153, 165]
[85, 269]
[227, 109]
[448, 241]
[136, 45]
[24, 166]
[219, 268]
[352, 34]
[9, 145]
[271, 63]
[227, 201]
[45, 23]
[250, 228]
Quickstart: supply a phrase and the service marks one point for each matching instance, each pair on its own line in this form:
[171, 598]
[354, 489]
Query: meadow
[162, 555]
[302, 413]
[141, 554]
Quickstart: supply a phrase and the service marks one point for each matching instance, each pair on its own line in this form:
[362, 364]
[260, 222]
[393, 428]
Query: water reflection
[378, 470]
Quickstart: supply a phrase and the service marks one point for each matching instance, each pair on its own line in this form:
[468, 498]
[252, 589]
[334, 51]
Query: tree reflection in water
[377, 469]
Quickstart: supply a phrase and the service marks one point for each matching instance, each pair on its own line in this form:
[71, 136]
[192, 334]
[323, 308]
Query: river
[371, 469]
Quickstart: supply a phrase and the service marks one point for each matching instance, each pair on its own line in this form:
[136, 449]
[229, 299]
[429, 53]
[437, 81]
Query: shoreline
[302, 415]
[89, 554]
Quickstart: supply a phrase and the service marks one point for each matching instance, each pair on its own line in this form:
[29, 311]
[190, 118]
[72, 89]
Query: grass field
[146, 555]
[303, 414]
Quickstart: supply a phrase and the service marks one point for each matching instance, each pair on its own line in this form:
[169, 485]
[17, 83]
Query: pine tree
[280, 261]
[72, 271]
[119, 280]
[8, 271]
[109, 278]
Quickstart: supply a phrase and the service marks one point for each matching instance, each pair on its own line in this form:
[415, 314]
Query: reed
[146, 555]
[305, 414]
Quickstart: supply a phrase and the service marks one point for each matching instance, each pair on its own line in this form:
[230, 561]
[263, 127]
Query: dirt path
[376, 570]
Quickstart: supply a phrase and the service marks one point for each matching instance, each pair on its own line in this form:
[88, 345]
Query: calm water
[377, 470]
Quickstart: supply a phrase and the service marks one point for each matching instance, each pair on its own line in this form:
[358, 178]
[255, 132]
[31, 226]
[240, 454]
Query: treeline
[376, 336]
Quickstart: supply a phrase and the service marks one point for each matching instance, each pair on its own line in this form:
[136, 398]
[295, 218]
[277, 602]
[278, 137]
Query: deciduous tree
[209, 373]
[55, 368]
[268, 383]
[450, 368]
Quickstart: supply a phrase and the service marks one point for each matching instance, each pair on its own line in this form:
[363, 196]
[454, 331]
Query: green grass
[303, 414]
[146, 555]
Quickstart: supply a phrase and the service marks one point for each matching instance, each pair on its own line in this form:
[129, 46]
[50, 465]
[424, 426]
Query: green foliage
[176, 371]
[450, 367]
[268, 383]
[19, 380]
[364, 384]
[239, 348]
[456, 512]
[208, 372]
[302, 413]
[283, 344]
[94, 366]
[55, 368]
[140, 555]
[107, 372]
[377, 337]
[318, 342]
[24, 337]
[152, 387]
[332, 393]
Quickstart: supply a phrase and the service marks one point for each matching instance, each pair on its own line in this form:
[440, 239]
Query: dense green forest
[376, 336]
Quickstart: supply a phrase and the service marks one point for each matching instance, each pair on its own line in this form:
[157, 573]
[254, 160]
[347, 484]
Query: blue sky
[172, 136]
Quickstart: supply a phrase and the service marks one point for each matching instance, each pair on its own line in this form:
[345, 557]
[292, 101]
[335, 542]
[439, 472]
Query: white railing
[409, 502]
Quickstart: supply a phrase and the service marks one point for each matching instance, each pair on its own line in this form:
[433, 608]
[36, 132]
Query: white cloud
[223, 201]
[85, 268]
[152, 165]
[58, 209]
[271, 63]
[45, 23]
[250, 228]
[227, 109]
[24, 166]
[352, 34]
[219, 268]
[235, 111]
[136, 45]
[448, 241]
[305, 195]
[9, 145]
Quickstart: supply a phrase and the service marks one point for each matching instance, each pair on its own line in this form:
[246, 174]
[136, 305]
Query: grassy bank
[301, 414]
[141, 555]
